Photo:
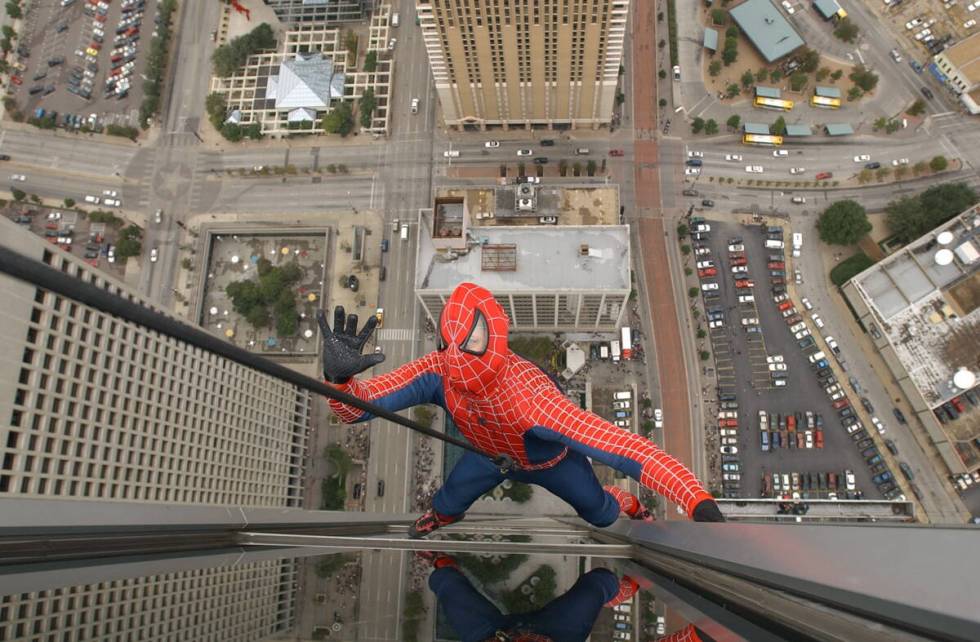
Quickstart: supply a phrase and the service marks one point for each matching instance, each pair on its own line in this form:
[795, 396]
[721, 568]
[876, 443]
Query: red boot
[629, 504]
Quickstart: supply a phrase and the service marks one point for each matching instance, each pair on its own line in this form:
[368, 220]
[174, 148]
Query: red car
[791, 423]
[823, 176]
[801, 440]
[16, 80]
[707, 272]
[958, 403]
[776, 265]
[728, 423]
[841, 403]
[615, 152]
[100, 18]
[95, 45]
[741, 260]
[744, 283]
[794, 319]
[777, 280]
[818, 438]
[785, 305]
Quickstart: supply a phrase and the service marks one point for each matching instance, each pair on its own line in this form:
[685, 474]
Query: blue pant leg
[470, 614]
[472, 476]
[574, 481]
[570, 616]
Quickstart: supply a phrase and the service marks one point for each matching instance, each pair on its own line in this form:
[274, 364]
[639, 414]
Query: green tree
[719, 16]
[734, 122]
[864, 176]
[705, 355]
[327, 565]
[590, 167]
[837, 75]
[880, 123]
[776, 75]
[340, 120]
[938, 163]
[797, 81]
[809, 60]
[19, 195]
[371, 61]
[217, 108]
[882, 173]
[697, 125]
[854, 93]
[692, 292]
[14, 11]
[732, 90]
[732, 32]
[729, 53]
[714, 68]
[917, 108]
[232, 132]
[711, 127]
[747, 79]
[69, 202]
[864, 78]
[367, 105]
[778, 128]
[822, 74]
[662, 102]
[662, 74]
[849, 268]
[908, 218]
[762, 75]
[920, 167]
[230, 57]
[843, 223]
[846, 30]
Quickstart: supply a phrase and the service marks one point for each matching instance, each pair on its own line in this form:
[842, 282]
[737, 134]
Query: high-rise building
[293, 11]
[525, 63]
[95, 408]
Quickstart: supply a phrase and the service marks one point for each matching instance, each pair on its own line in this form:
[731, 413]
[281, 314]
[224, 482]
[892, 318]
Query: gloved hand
[707, 511]
[342, 358]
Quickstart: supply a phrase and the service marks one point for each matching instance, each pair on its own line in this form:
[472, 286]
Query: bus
[627, 343]
[825, 102]
[773, 103]
[760, 139]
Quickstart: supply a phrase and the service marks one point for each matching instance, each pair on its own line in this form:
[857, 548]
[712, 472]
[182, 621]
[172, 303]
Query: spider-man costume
[504, 404]
[567, 618]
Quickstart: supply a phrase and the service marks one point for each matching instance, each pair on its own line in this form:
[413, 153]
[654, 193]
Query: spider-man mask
[473, 336]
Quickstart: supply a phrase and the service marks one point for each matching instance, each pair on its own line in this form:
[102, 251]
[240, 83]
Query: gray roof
[548, 259]
[306, 81]
[768, 92]
[828, 92]
[756, 128]
[839, 129]
[711, 39]
[827, 8]
[766, 27]
[798, 130]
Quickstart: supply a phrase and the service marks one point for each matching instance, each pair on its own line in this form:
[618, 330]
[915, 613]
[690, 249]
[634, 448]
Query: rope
[25, 269]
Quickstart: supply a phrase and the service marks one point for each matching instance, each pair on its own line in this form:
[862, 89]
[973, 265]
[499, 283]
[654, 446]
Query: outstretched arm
[414, 383]
[558, 419]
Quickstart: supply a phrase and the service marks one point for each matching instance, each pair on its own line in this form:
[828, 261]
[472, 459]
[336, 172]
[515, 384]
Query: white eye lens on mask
[479, 337]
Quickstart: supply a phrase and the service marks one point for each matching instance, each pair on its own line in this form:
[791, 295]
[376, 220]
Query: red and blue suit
[504, 404]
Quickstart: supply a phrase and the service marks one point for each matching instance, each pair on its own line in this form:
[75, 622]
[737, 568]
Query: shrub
[849, 268]
[938, 163]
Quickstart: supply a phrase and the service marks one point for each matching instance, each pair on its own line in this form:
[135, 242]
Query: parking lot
[68, 71]
[72, 232]
[751, 331]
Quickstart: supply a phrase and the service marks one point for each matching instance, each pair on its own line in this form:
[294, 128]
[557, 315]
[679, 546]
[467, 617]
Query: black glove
[707, 511]
[342, 358]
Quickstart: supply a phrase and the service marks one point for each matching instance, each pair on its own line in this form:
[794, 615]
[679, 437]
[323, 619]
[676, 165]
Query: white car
[832, 389]
[780, 153]
[796, 170]
[717, 323]
[54, 216]
[701, 251]
[705, 264]
[862, 158]
[392, 43]
[158, 217]
[525, 152]
[733, 157]
[154, 255]
[922, 34]
[692, 171]
[621, 405]
[728, 432]
[802, 333]
[973, 7]
[695, 154]
[532, 179]
[900, 161]
[739, 269]
[880, 427]
[415, 105]
[111, 254]
[736, 247]
[777, 367]
[709, 286]
[799, 326]
[754, 169]
[969, 24]
[789, 8]
[702, 227]
[112, 202]
[94, 200]
[111, 193]
[806, 303]
[809, 439]
[776, 358]
[492, 144]
[658, 418]
[837, 395]
[18, 177]
[729, 450]
[853, 428]
[750, 321]
[729, 441]
[912, 24]
[677, 72]
[849, 481]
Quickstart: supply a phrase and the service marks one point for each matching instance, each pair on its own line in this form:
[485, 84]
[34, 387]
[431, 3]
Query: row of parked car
[798, 430]
[832, 485]
[952, 409]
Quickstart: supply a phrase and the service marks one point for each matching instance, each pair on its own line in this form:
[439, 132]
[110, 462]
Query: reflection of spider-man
[568, 617]
[505, 404]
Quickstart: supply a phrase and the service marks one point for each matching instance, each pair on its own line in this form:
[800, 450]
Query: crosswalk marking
[396, 334]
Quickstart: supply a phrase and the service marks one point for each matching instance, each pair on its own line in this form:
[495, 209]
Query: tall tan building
[525, 63]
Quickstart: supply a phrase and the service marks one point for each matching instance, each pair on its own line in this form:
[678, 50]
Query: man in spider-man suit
[504, 404]
[569, 617]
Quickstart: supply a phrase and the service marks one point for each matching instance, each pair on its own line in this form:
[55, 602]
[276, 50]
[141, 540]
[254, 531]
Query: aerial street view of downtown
[489, 320]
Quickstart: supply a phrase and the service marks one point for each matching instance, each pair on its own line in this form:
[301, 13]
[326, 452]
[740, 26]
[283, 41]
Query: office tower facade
[525, 63]
[328, 11]
[95, 408]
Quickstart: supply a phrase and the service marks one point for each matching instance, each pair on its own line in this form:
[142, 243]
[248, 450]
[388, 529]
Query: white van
[404, 231]
[623, 394]
[394, 19]
[774, 244]
[817, 356]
